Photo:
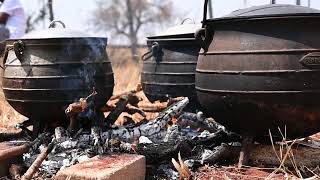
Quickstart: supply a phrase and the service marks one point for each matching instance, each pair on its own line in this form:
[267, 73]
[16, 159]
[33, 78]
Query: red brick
[110, 167]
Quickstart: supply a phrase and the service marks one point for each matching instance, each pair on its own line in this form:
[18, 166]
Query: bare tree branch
[126, 18]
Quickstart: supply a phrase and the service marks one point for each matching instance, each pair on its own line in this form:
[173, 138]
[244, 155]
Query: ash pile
[162, 132]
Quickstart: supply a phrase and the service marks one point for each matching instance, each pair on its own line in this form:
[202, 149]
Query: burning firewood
[132, 110]
[153, 107]
[151, 128]
[158, 106]
[159, 140]
[121, 106]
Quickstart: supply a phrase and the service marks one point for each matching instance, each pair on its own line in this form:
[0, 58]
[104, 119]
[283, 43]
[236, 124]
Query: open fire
[173, 134]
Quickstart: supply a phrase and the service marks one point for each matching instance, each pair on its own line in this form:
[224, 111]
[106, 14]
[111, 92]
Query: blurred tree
[210, 9]
[50, 8]
[41, 16]
[127, 17]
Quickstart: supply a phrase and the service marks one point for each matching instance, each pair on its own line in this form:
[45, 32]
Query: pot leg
[245, 150]
[24, 126]
[38, 128]
[73, 125]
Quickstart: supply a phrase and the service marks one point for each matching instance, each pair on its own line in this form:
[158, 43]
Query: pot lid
[56, 33]
[271, 11]
[182, 30]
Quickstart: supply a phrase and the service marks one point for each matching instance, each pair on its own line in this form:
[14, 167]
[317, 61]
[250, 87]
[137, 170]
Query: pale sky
[76, 13]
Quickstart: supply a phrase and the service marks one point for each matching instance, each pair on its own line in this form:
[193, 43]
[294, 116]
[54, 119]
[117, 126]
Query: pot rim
[262, 17]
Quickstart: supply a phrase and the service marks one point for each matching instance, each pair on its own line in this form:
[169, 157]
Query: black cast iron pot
[169, 66]
[46, 70]
[259, 70]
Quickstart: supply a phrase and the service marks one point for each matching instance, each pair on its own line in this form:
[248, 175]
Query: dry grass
[126, 71]
[8, 116]
[284, 154]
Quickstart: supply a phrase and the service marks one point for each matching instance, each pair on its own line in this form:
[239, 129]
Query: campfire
[172, 132]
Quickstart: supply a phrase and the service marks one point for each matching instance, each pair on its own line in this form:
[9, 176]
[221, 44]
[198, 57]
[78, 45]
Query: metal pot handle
[52, 24]
[154, 51]
[3, 53]
[201, 36]
[205, 9]
[192, 20]
[18, 48]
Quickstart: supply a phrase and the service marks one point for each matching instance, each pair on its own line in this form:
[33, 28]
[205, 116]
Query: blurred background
[82, 14]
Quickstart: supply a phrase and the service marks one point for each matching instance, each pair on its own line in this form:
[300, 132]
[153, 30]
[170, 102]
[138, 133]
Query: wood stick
[19, 150]
[132, 110]
[158, 106]
[10, 136]
[121, 106]
[13, 152]
[37, 163]
[221, 153]
[155, 107]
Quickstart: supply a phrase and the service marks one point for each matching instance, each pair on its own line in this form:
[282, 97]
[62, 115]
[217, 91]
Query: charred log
[12, 136]
[121, 106]
[151, 128]
[157, 153]
[220, 154]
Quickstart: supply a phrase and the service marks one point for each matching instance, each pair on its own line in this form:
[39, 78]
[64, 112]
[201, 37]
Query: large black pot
[169, 66]
[259, 70]
[46, 70]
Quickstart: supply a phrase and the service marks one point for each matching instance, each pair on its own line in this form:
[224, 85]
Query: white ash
[29, 158]
[206, 155]
[144, 140]
[198, 121]
[189, 163]
[173, 133]
[204, 134]
[169, 172]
